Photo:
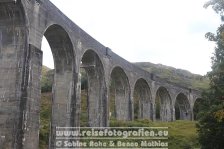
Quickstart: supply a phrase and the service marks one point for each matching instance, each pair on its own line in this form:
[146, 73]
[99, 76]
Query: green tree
[211, 122]
[47, 80]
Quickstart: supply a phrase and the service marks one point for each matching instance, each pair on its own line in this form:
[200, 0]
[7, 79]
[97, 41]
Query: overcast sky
[169, 32]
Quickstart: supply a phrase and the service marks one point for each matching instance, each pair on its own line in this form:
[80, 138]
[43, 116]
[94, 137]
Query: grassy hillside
[178, 76]
[182, 134]
[47, 79]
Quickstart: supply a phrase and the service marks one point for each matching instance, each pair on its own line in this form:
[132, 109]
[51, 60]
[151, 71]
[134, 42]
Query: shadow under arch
[197, 108]
[182, 108]
[120, 104]
[163, 105]
[142, 100]
[63, 92]
[96, 90]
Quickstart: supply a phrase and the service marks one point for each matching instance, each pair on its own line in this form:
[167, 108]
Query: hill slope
[178, 76]
[47, 79]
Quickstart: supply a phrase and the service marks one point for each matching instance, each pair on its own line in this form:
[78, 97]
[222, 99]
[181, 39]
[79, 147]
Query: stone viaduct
[23, 23]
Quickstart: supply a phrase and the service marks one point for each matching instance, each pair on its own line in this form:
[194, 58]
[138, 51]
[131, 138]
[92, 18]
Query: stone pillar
[173, 113]
[63, 103]
[19, 116]
[122, 104]
[146, 109]
[132, 112]
[30, 102]
[18, 68]
[97, 99]
[153, 107]
[192, 102]
[10, 91]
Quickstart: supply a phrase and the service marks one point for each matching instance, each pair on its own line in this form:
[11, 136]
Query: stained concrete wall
[142, 100]
[122, 94]
[30, 102]
[96, 94]
[182, 107]
[23, 23]
[13, 79]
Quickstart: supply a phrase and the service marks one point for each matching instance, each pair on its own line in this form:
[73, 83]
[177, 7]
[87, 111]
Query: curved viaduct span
[23, 23]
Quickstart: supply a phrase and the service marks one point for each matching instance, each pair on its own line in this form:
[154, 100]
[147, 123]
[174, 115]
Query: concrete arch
[163, 105]
[196, 108]
[142, 100]
[61, 47]
[63, 87]
[182, 107]
[120, 104]
[97, 91]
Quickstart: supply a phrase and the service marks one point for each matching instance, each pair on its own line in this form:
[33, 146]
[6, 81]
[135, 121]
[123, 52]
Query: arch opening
[197, 108]
[163, 105]
[182, 108]
[93, 102]
[58, 111]
[142, 100]
[120, 105]
[47, 80]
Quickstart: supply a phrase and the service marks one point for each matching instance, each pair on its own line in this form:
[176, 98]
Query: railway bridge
[23, 24]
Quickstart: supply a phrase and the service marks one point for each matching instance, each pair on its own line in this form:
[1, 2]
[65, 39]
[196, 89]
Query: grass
[182, 134]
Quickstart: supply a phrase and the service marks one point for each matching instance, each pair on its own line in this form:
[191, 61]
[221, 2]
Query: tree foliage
[217, 5]
[211, 122]
[47, 81]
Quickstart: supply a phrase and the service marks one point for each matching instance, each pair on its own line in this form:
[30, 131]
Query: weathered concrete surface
[96, 102]
[122, 94]
[30, 102]
[13, 78]
[23, 23]
[143, 100]
[164, 103]
[182, 107]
